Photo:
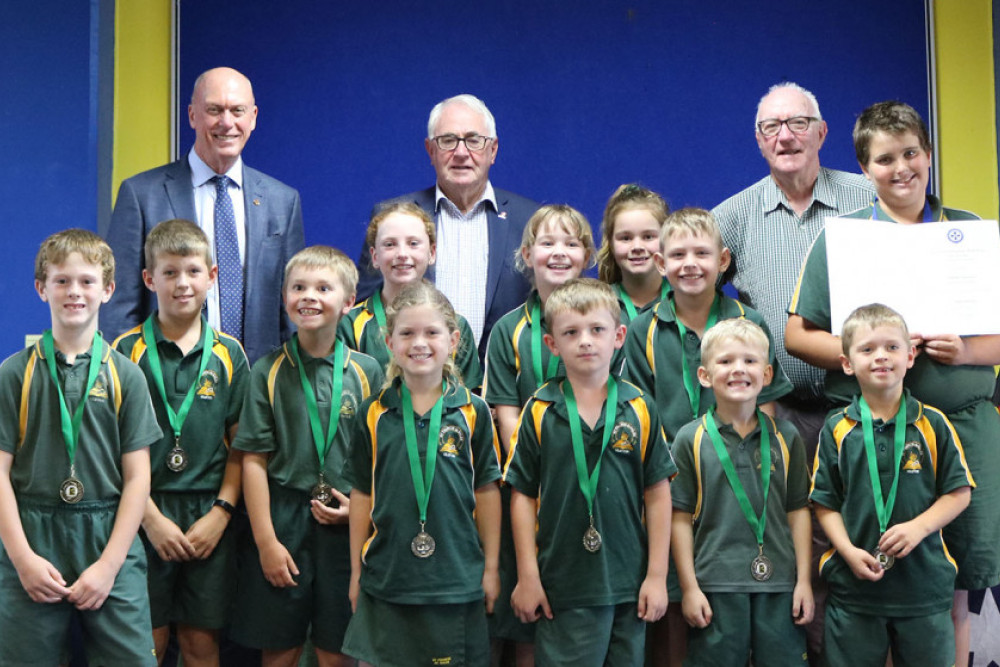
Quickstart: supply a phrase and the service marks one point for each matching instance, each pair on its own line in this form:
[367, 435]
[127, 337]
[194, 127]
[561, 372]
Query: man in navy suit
[477, 225]
[268, 216]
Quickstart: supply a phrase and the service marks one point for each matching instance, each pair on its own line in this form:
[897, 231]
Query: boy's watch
[224, 504]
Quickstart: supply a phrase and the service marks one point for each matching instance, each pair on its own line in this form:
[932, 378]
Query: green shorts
[198, 592]
[272, 618]
[915, 641]
[403, 635]
[72, 537]
[742, 623]
[591, 637]
[502, 622]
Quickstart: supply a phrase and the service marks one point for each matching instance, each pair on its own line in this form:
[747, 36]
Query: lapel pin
[502, 215]
[256, 202]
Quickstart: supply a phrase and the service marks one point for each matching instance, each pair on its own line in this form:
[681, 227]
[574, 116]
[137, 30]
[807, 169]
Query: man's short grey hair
[789, 85]
[470, 101]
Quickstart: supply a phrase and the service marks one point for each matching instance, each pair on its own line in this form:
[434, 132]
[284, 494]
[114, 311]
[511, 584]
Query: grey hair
[789, 85]
[468, 100]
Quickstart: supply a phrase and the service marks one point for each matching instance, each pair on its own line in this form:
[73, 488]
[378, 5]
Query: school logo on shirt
[206, 385]
[913, 455]
[348, 405]
[100, 389]
[756, 458]
[624, 438]
[451, 441]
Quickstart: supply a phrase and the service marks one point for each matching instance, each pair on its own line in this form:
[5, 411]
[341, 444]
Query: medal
[177, 458]
[422, 545]
[885, 561]
[592, 540]
[883, 510]
[322, 491]
[71, 490]
[761, 568]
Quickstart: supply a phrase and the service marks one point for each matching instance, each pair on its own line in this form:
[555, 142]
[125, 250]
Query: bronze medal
[422, 545]
[885, 561]
[71, 490]
[592, 540]
[177, 459]
[761, 568]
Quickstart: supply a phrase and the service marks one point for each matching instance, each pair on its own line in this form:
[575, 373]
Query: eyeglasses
[473, 142]
[770, 127]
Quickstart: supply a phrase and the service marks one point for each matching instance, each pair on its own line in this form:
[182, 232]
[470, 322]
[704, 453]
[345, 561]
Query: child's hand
[902, 538]
[41, 580]
[353, 591]
[491, 588]
[945, 348]
[527, 598]
[327, 515]
[696, 609]
[170, 542]
[653, 599]
[205, 533]
[90, 591]
[803, 604]
[863, 564]
[279, 568]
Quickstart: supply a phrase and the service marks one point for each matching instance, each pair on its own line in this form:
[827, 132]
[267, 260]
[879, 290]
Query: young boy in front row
[76, 423]
[741, 528]
[197, 378]
[587, 462]
[890, 473]
[294, 434]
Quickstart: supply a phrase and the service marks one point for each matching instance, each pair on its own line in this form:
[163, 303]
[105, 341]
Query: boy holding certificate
[951, 372]
[741, 527]
[587, 463]
[890, 473]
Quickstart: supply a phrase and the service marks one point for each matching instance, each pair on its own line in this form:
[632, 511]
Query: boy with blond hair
[76, 424]
[593, 573]
[197, 377]
[295, 438]
[890, 473]
[741, 528]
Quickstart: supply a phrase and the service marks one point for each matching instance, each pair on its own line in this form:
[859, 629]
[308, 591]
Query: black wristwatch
[224, 504]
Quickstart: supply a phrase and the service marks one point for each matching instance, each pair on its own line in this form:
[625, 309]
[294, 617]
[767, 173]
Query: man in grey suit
[267, 215]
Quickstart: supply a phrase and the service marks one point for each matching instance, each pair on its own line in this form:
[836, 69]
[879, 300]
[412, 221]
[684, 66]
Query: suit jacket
[273, 234]
[506, 287]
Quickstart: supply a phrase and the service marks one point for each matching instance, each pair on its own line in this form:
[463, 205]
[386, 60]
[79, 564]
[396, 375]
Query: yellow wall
[966, 105]
[142, 87]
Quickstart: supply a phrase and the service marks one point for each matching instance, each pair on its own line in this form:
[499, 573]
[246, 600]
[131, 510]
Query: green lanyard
[756, 524]
[692, 388]
[322, 445]
[176, 418]
[588, 483]
[630, 305]
[378, 309]
[71, 425]
[422, 480]
[536, 348]
[883, 510]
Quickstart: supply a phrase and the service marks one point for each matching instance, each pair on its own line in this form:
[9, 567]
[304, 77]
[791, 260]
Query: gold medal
[177, 458]
[423, 544]
[591, 538]
[71, 490]
[885, 561]
[760, 567]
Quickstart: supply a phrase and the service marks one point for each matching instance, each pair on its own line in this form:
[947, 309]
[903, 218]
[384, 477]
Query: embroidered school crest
[451, 441]
[206, 385]
[348, 405]
[913, 456]
[100, 389]
[756, 458]
[624, 438]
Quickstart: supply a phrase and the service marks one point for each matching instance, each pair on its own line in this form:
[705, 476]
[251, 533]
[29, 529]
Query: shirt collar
[488, 196]
[914, 409]
[455, 396]
[823, 193]
[201, 173]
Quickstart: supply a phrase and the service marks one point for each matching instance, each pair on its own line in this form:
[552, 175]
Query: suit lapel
[499, 231]
[255, 219]
[180, 194]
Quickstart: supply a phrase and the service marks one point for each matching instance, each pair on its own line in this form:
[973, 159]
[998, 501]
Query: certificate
[942, 277]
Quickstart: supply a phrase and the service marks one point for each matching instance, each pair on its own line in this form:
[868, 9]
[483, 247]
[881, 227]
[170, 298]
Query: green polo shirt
[360, 331]
[626, 319]
[933, 464]
[541, 465]
[216, 407]
[653, 362]
[467, 459]
[724, 542]
[947, 387]
[275, 420]
[118, 418]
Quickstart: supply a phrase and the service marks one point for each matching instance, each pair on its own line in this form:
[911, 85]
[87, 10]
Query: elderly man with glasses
[478, 226]
[769, 228]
